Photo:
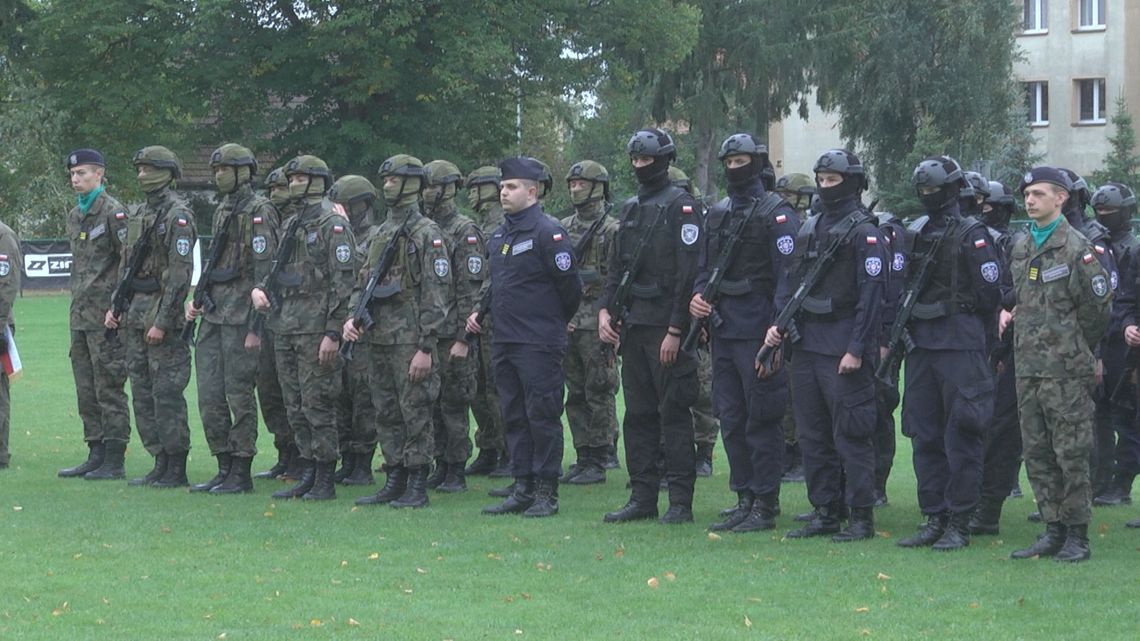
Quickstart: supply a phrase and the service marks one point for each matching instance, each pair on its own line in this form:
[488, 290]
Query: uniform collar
[526, 219]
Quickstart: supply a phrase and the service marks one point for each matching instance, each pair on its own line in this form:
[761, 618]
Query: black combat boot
[362, 471]
[394, 486]
[154, 474]
[636, 509]
[438, 473]
[520, 500]
[455, 481]
[1076, 547]
[576, 466]
[1034, 517]
[957, 533]
[483, 463]
[238, 481]
[175, 475]
[985, 520]
[324, 487]
[545, 499]
[1134, 523]
[415, 494]
[297, 466]
[592, 468]
[1119, 493]
[804, 517]
[881, 499]
[503, 492]
[114, 453]
[305, 482]
[704, 459]
[279, 467]
[224, 462]
[793, 464]
[762, 515]
[96, 450]
[612, 462]
[347, 467]
[502, 467]
[860, 527]
[928, 533]
[1048, 544]
[677, 513]
[736, 514]
[826, 521]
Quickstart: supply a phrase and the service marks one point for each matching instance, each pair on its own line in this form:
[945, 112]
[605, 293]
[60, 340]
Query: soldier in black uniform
[535, 291]
[1002, 459]
[833, 365]
[659, 382]
[887, 392]
[754, 286]
[1117, 439]
[949, 388]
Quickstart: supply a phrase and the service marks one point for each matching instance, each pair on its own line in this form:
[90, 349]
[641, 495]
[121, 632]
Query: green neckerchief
[1042, 234]
[88, 199]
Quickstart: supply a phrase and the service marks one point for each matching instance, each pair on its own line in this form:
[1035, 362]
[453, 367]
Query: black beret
[522, 167]
[85, 157]
[1046, 174]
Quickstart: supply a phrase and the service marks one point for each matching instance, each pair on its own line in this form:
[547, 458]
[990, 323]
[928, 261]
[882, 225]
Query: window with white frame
[1035, 14]
[1037, 102]
[1091, 100]
[1090, 14]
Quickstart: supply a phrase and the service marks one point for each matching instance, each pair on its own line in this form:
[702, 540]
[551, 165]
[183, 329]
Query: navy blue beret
[1046, 174]
[522, 167]
[85, 157]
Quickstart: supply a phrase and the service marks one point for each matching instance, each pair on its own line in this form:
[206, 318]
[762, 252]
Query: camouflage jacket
[10, 263]
[250, 244]
[315, 283]
[164, 280]
[97, 242]
[464, 242]
[410, 304]
[1063, 298]
[594, 266]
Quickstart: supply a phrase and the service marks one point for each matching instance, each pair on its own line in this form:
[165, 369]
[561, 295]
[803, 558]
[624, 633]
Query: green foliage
[898, 196]
[1122, 163]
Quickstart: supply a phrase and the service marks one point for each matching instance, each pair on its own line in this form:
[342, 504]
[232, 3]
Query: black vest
[655, 274]
[751, 268]
[949, 288]
[836, 293]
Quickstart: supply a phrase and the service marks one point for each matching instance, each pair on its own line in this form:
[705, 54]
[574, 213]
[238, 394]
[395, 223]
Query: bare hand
[252, 343]
[155, 335]
[192, 312]
[570, 327]
[606, 333]
[1099, 372]
[326, 353]
[1004, 319]
[420, 367]
[349, 331]
[883, 353]
[773, 338]
[1132, 336]
[669, 348]
[472, 324]
[699, 307]
[458, 351]
[850, 363]
[260, 300]
[110, 321]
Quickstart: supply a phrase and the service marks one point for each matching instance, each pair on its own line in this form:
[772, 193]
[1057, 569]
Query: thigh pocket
[974, 406]
[681, 383]
[544, 405]
[856, 416]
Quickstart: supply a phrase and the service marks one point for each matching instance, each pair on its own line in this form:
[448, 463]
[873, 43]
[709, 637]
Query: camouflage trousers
[355, 416]
[100, 370]
[489, 432]
[227, 375]
[310, 391]
[1057, 439]
[706, 427]
[456, 389]
[159, 376]
[403, 408]
[5, 416]
[591, 389]
[269, 395]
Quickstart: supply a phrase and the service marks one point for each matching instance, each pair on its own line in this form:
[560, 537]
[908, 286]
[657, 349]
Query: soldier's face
[637, 160]
[432, 193]
[1043, 202]
[580, 187]
[301, 180]
[85, 178]
[517, 195]
[736, 161]
[828, 178]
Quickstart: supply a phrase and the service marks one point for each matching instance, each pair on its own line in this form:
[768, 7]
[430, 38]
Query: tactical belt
[145, 285]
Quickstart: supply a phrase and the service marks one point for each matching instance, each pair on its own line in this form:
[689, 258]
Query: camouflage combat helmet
[353, 189]
[233, 155]
[410, 170]
[595, 174]
[276, 178]
[160, 157]
[312, 167]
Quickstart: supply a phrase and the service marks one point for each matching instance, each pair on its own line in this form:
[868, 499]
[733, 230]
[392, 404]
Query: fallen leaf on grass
[653, 582]
[863, 609]
[222, 635]
[542, 567]
[1021, 601]
[494, 557]
[316, 623]
[421, 571]
[669, 576]
[17, 508]
[974, 605]
[525, 595]
[747, 622]
[755, 599]
[353, 622]
[517, 631]
[865, 632]
[344, 564]
[884, 534]
[619, 552]
[373, 556]
[883, 577]
[1102, 529]
[268, 514]
[165, 529]
[713, 536]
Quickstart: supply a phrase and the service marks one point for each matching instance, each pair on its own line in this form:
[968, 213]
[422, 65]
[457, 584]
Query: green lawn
[83, 560]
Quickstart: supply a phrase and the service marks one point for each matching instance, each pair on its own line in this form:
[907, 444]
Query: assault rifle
[1118, 397]
[619, 305]
[361, 317]
[727, 253]
[899, 344]
[125, 291]
[281, 257]
[202, 299]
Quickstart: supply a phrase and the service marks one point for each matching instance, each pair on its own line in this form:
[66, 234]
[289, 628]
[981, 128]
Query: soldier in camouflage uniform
[706, 427]
[97, 229]
[412, 300]
[269, 395]
[10, 262]
[1063, 298]
[356, 418]
[227, 353]
[493, 459]
[312, 290]
[464, 242]
[157, 358]
[591, 372]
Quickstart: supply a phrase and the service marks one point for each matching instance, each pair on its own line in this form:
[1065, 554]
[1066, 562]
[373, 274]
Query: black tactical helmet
[1080, 190]
[652, 142]
[277, 178]
[593, 172]
[352, 189]
[546, 183]
[312, 167]
[999, 195]
[743, 143]
[160, 157]
[841, 161]
[233, 155]
[976, 185]
[939, 171]
[1114, 195]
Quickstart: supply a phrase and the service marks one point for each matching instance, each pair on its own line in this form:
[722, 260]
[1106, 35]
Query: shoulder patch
[442, 267]
[259, 244]
[873, 265]
[990, 271]
[557, 238]
[1099, 285]
[474, 264]
[781, 219]
[1087, 258]
[182, 246]
[343, 253]
[690, 233]
[472, 240]
[338, 229]
[562, 261]
[872, 240]
[979, 243]
[120, 215]
[182, 222]
[686, 209]
[437, 242]
[786, 245]
[1099, 249]
[257, 220]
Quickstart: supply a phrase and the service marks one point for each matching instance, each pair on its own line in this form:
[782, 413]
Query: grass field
[84, 560]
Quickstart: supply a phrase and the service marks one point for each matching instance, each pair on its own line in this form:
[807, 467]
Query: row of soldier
[420, 273]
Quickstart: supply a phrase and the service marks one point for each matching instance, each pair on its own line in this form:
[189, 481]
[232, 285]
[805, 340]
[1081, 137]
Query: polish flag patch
[686, 209]
[872, 240]
[182, 222]
[257, 220]
[338, 229]
[3, 256]
[557, 238]
[1088, 259]
[437, 242]
[781, 219]
[121, 215]
[979, 243]
[472, 240]
[1099, 249]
